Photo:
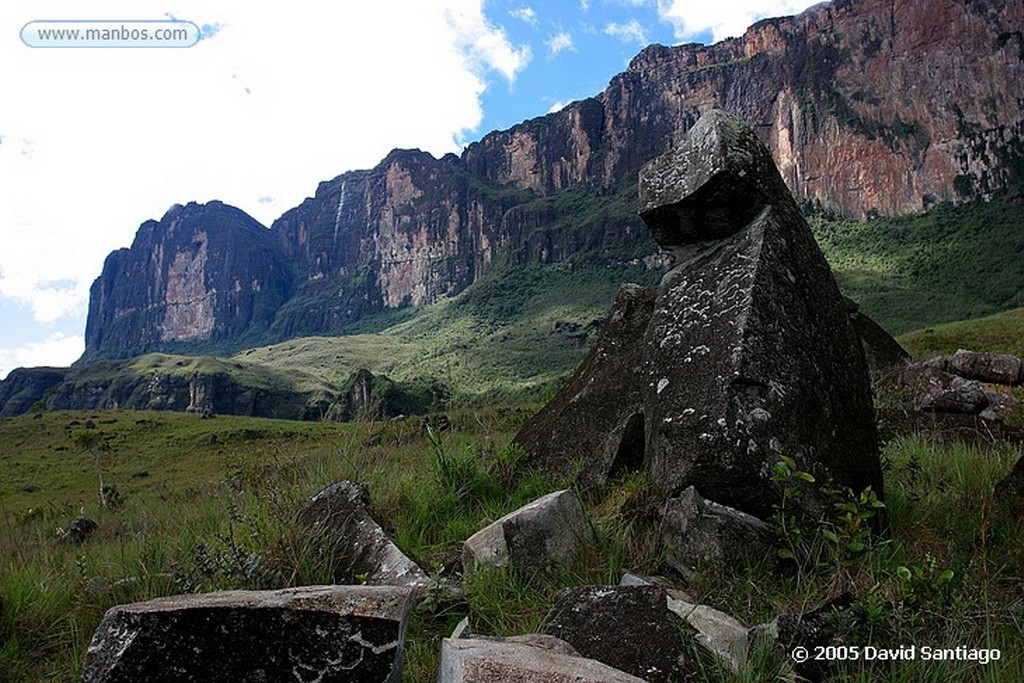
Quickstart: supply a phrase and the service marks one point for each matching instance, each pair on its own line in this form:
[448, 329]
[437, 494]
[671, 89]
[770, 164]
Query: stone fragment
[717, 632]
[79, 530]
[363, 552]
[881, 351]
[474, 660]
[996, 368]
[956, 395]
[701, 534]
[815, 629]
[311, 633]
[747, 353]
[626, 627]
[546, 534]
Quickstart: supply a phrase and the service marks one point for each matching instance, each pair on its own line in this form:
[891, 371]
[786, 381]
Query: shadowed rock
[311, 633]
[360, 547]
[747, 352]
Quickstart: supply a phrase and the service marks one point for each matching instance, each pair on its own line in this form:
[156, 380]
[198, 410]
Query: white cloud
[557, 106]
[723, 19]
[275, 100]
[527, 14]
[55, 350]
[631, 32]
[559, 43]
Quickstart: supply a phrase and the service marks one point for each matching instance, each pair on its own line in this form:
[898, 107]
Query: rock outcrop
[867, 107]
[25, 387]
[746, 354]
[322, 633]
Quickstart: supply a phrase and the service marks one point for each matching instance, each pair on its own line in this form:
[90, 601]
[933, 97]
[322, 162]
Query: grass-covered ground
[1000, 333]
[216, 510]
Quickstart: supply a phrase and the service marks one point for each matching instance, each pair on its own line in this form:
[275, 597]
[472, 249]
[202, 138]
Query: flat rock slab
[546, 534]
[473, 660]
[361, 548]
[627, 627]
[312, 633]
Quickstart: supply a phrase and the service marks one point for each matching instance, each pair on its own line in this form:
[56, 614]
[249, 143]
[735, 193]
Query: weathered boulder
[321, 633]
[475, 660]
[627, 627]
[881, 351]
[994, 368]
[747, 354]
[700, 533]
[956, 395]
[818, 628]
[78, 531]
[361, 548]
[546, 534]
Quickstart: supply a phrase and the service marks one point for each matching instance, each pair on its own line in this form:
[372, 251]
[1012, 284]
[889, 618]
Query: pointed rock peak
[711, 186]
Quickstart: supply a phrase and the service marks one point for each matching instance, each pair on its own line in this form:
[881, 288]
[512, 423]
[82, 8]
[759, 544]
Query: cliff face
[868, 106]
[203, 273]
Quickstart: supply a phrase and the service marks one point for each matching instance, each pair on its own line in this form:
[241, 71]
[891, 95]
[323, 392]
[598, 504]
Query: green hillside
[1000, 333]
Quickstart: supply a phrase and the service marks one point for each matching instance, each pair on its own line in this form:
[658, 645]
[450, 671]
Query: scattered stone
[994, 368]
[79, 530]
[881, 351]
[311, 633]
[363, 552]
[142, 474]
[701, 534]
[959, 395]
[476, 660]
[818, 628]
[717, 632]
[627, 627]
[546, 534]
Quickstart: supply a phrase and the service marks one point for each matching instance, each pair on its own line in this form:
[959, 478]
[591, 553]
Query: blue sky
[274, 99]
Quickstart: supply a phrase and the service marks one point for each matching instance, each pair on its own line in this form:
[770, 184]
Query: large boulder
[747, 352]
[311, 633]
[362, 551]
[477, 660]
[544, 535]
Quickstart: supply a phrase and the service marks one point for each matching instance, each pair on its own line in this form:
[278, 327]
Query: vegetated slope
[952, 263]
[1000, 333]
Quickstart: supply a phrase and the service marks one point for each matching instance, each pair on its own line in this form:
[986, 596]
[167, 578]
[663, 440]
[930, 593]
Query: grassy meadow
[216, 504]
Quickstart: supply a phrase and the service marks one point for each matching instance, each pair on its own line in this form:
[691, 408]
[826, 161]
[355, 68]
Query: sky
[271, 99]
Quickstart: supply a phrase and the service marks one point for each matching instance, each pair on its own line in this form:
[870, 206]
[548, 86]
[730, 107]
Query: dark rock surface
[79, 530]
[701, 534]
[747, 354]
[627, 627]
[362, 551]
[992, 368]
[321, 633]
[882, 353]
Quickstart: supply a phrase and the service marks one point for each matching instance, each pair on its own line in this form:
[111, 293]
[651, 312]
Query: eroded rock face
[747, 354]
[311, 633]
[362, 551]
[700, 533]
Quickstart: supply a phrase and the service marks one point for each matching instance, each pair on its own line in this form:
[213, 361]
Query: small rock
[717, 632]
[958, 396]
[546, 534]
[475, 660]
[79, 530]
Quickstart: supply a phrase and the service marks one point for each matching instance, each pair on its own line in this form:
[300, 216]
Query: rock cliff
[867, 106]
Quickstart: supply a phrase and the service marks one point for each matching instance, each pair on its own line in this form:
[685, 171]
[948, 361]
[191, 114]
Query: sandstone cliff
[868, 106]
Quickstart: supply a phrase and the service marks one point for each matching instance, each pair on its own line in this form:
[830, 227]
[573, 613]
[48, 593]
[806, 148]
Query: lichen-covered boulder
[747, 354]
[311, 633]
